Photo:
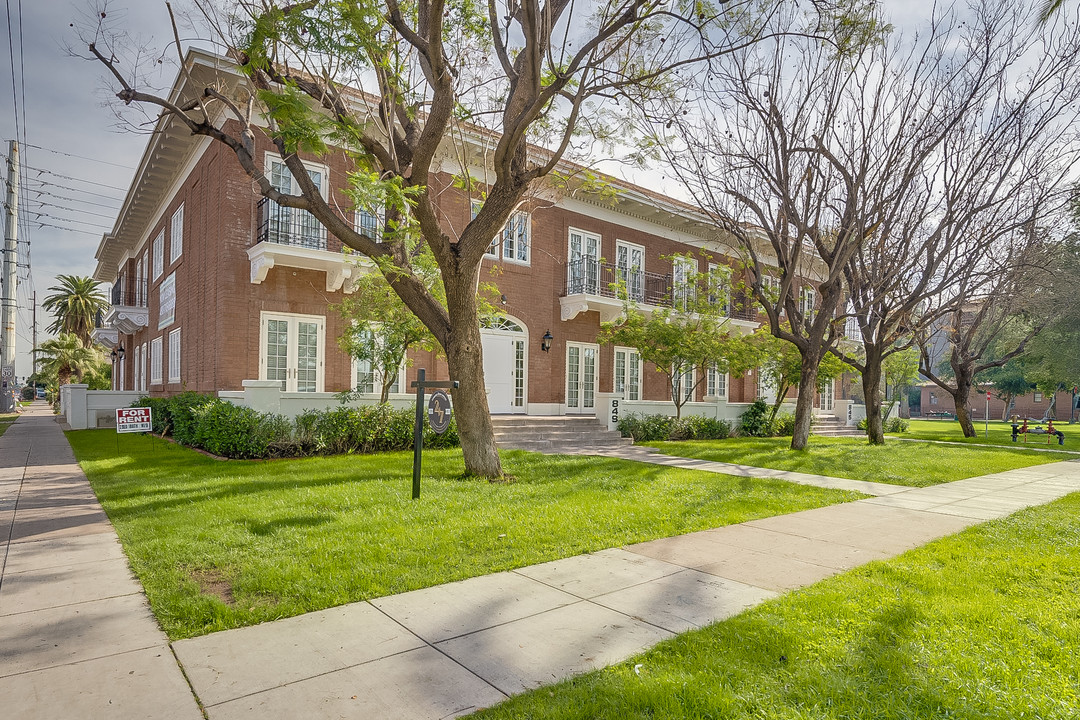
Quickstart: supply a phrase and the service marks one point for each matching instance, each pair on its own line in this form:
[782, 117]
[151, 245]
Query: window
[138, 369]
[683, 270]
[368, 377]
[292, 226]
[155, 361]
[176, 234]
[628, 373]
[583, 266]
[682, 384]
[144, 359]
[806, 302]
[1038, 397]
[766, 388]
[369, 223]
[493, 248]
[139, 284]
[718, 289]
[159, 254]
[145, 290]
[174, 356]
[933, 399]
[716, 383]
[630, 266]
[516, 238]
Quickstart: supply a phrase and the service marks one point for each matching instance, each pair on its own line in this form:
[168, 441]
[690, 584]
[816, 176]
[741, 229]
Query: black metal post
[418, 433]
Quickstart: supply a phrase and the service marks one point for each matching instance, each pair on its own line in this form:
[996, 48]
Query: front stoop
[564, 434]
[832, 426]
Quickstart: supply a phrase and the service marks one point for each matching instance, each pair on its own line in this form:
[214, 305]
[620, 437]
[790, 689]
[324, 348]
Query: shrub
[646, 428]
[231, 430]
[783, 424]
[159, 413]
[896, 425]
[695, 427]
[754, 422]
[184, 411]
[28, 393]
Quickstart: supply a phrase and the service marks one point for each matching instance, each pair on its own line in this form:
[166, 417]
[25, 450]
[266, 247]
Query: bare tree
[506, 89]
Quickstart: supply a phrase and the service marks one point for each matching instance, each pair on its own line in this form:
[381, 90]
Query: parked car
[40, 393]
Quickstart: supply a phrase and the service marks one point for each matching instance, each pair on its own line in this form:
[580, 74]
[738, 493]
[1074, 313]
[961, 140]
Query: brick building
[214, 286]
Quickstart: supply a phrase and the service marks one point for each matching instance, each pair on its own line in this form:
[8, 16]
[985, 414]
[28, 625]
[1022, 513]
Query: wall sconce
[545, 342]
[117, 353]
[503, 299]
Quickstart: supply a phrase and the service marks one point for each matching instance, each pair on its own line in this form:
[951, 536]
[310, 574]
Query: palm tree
[75, 303]
[65, 356]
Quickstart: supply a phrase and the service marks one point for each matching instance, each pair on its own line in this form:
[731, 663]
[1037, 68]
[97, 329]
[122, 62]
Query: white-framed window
[145, 290]
[367, 378]
[515, 237]
[291, 350]
[159, 254]
[682, 271]
[716, 383]
[155, 361]
[144, 361]
[176, 234]
[493, 248]
[807, 297]
[174, 356]
[1037, 397]
[583, 263]
[628, 373]
[140, 283]
[719, 293]
[682, 384]
[292, 226]
[766, 388]
[630, 267]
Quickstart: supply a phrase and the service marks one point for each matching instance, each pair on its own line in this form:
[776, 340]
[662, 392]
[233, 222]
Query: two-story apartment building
[214, 285]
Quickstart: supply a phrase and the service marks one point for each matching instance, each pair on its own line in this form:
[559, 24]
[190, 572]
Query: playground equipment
[1018, 429]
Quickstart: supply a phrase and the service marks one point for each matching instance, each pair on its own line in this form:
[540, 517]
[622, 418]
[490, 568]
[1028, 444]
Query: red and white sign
[133, 420]
[988, 396]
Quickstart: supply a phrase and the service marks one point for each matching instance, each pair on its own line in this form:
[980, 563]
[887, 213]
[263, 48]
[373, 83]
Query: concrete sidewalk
[75, 631]
[77, 639]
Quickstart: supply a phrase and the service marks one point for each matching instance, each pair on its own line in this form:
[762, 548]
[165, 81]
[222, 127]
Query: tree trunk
[1010, 400]
[905, 404]
[961, 397]
[871, 384]
[1051, 409]
[464, 356]
[804, 404]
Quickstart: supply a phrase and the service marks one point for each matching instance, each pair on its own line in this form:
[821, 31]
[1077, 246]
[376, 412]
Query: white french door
[825, 397]
[584, 263]
[581, 378]
[505, 365]
[627, 373]
[630, 261]
[292, 351]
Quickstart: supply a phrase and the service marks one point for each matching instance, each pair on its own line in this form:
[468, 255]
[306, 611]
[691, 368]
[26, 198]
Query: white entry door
[504, 343]
[825, 397]
[292, 351]
[581, 378]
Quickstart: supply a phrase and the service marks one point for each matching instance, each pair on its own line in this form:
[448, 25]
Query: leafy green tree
[513, 85]
[75, 304]
[691, 332]
[780, 363]
[60, 358]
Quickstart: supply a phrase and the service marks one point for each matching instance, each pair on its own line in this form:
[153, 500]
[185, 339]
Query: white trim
[273, 157]
[159, 254]
[176, 234]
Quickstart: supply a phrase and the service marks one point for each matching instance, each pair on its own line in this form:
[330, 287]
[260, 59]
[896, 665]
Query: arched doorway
[506, 347]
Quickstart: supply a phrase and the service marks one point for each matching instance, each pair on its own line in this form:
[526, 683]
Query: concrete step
[555, 434]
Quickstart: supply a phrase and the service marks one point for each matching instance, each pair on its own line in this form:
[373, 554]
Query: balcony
[292, 238]
[127, 313]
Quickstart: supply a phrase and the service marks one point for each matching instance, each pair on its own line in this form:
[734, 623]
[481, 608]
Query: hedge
[233, 431]
[649, 428]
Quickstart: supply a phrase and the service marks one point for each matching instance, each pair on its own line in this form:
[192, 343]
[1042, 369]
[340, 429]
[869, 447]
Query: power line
[71, 199]
[80, 157]
[73, 189]
[69, 177]
[81, 212]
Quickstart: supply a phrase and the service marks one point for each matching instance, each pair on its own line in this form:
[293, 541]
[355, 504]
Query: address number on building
[133, 420]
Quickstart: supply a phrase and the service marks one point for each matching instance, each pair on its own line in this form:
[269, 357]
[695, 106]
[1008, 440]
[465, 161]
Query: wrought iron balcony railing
[289, 226]
[586, 276]
[127, 296]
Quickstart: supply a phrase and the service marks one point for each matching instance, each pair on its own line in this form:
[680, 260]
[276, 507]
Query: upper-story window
[512, 244]
[292, 226]
[683, 270]
[630, 267]
[369, 223]
[807, 298]
[176, 234]
[719, 291]
[159, 254]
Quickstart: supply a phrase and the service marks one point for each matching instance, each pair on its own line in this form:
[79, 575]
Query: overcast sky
[63, 101]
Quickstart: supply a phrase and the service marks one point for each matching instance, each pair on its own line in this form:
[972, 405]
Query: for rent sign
[133, 420]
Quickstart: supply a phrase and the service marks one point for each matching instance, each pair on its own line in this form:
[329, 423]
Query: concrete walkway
[76, 638]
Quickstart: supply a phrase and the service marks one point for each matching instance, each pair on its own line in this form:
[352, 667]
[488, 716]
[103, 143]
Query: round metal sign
[439, 411]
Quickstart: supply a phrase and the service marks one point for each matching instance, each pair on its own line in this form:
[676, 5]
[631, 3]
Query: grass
[983, 624]
[1000, 434]
[225, 544]
[897, 462]
[6, 421]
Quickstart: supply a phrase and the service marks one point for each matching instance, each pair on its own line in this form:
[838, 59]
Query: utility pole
[33, 336]
[11, 262]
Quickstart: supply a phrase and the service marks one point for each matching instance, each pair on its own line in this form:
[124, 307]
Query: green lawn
[897, 462]
[225, 544]
[6, 421]
[1000, 434]
[984, 624]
